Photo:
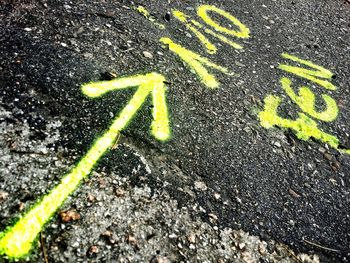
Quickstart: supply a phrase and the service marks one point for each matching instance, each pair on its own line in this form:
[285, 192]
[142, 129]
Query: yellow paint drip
[304, 126]
[313, 75]
[306, 101]
[203, 10]
[211, 48]
[17, 241]
[196, 62]
[143, 11]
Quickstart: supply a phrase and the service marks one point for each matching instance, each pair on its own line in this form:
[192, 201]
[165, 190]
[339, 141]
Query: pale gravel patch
[137, 225]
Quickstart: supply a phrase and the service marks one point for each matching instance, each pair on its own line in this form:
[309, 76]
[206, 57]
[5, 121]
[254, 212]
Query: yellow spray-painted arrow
[16, 241]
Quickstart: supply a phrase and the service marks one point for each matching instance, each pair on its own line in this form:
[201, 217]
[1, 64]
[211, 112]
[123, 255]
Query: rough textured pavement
[222, 175]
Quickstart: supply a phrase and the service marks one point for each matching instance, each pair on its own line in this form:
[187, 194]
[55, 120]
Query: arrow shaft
[17, 241]
[160, 124]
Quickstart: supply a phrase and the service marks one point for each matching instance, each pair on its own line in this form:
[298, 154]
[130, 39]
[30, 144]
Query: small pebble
[120, 192]
[21, 206]
[200, 186]
[132, 240]
[161, 260]
[241, 246]
[327, 156]
[217, 196]
[262, 248]
[107, 233]
[335, 166]
[93, 250]
[69, 215]
[277, 144]
[3, 196]
[293, 193]
[75, 244]
[191, 238]
[213, 217]
[147, 54]
[172, 236]
[91, 198]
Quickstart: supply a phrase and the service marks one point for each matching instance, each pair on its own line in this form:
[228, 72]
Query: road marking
[306, 101]
[304, 126]
[313, 75]
[196, 62]
[17, 241]
[203, 11]
[143, 11]
[211, 48]
[151, 82]
[219, 36]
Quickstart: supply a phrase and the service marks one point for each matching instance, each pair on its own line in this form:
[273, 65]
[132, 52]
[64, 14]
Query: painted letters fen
[17, 240]
[305, 125]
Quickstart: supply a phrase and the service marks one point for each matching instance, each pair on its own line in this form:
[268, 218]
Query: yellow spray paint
[203, 11]
[17, 241]
[196, 62]
[346, 151]
[143, 11]
[149, 83]
[306, 101]
[318, 75]
[219, 36]
[211, 48]
[304, 126]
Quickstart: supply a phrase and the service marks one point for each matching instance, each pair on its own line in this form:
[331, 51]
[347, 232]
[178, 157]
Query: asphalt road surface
[228, 165]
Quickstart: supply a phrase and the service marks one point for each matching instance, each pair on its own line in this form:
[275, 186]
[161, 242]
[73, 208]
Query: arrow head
[149, 83]
[99, 88]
